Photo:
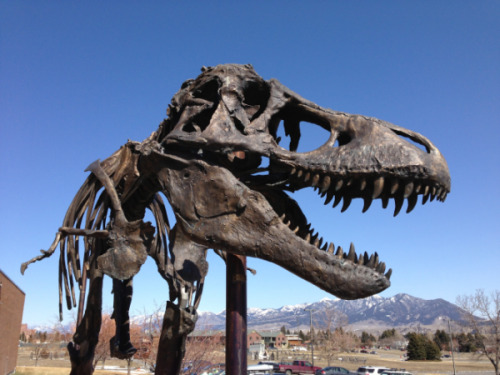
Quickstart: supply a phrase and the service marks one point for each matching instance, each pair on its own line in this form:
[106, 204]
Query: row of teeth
[383, 188]
[361, 259]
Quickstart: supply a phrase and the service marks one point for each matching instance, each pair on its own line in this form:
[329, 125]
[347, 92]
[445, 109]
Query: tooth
[307, 177]
[371, 261]
[308, 237]
[296, 230]
[329, 196]
[294, 170]
[443, 195]
[352, 253]
[385, 201]
[326, 183]
[331, 248]
[388, 274]
[439, 191]
[408, 189]
[230, 156]
[337, 200]
[368, 201]
[314, 237]
[394, 186]
[339, 184]
[321, 241]
[340, 252]
[317, 243]
[366, 258]
[376, 260]
[300, 173]
[287, 223]
[398, 200]
[315, 180]
[362, 184]
[325, 246]
[378, 186]
[322, 195]
[282, 218]
[426, 195]
[349, 182]
[347, 203]
[381, 268]
[417, 188]
[433, 193]
[412, 201]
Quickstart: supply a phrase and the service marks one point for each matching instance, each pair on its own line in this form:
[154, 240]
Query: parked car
[298, 367]
[371, 370]
[394, 371]
[333, 370]
[260, 369]
[276, 365]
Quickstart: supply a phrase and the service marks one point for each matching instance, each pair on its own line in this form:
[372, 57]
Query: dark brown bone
[206, 159]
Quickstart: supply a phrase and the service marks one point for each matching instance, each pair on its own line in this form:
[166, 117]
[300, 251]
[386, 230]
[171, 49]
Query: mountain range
[374, 313]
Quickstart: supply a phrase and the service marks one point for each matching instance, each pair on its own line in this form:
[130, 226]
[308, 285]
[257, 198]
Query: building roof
[12, 282]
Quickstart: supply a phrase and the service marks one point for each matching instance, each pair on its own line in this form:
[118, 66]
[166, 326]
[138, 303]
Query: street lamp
[311, 331]
[451, 347]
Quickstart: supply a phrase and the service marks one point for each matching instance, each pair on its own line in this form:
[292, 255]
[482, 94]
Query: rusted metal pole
[236, 315]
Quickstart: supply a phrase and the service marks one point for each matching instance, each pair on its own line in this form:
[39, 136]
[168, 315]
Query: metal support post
[236, 315]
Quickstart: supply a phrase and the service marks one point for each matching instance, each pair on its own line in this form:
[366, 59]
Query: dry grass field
[465, 364]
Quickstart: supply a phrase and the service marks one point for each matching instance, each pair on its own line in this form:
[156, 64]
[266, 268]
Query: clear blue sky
[78, 79]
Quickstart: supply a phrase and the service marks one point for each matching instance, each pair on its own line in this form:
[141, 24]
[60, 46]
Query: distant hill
[373, 313]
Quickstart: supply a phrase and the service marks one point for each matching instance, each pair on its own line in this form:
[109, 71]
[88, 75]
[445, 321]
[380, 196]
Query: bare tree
[147, 338]
[203, 349]
[102, 351]
[482, 315]
[334, 338]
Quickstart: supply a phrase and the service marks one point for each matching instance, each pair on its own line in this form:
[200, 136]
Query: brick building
[11, 316]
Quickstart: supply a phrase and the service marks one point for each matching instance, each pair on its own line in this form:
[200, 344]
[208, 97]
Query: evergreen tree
[432, 351]
[367, 338]
[301, 335]
[421, 348]
[388, 333]
[416, 348]
[442, 339]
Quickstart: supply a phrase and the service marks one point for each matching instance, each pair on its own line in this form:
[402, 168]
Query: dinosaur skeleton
[217, 160]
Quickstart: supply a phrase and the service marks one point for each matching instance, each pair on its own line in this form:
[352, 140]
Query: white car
[371, 370]
[260, 369]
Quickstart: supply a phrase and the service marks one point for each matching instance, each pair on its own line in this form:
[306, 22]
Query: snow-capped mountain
[401, 311]
[398, 311]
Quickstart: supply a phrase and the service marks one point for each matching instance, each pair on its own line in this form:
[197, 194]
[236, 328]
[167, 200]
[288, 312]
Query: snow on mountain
[399, 310]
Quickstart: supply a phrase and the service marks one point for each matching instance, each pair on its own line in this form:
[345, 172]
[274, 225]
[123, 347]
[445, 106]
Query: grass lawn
[464, 362]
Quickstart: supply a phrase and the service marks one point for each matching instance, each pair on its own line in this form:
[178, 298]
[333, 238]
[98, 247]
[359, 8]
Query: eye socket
[201, 118]
[256, 93]
[208, 90]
